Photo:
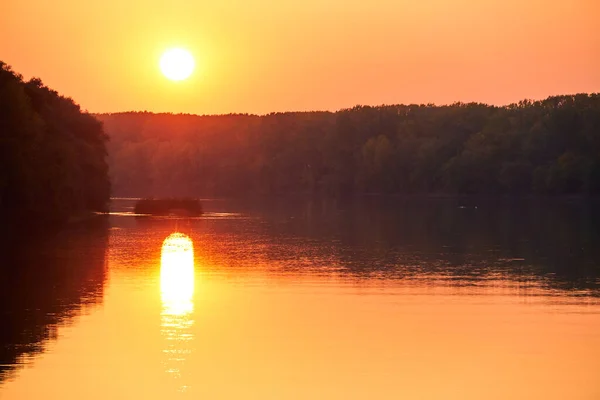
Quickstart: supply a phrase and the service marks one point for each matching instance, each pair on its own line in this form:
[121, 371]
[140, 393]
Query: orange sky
[266, 55]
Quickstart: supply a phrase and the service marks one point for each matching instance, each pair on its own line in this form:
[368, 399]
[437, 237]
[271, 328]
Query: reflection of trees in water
[555, 243]
[44, 283]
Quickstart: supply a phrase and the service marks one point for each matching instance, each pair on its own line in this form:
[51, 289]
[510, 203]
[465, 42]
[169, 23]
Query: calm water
[414, 299]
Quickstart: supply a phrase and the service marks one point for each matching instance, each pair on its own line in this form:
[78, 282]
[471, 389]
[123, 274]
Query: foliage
[547, 147]
[52, 155]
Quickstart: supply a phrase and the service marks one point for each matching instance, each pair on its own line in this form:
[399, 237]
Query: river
[375, 298]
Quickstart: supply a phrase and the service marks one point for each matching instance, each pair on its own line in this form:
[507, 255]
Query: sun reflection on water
[177, 274]
[177, 292]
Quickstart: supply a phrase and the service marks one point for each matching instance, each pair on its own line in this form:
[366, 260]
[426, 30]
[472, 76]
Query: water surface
[374, 298]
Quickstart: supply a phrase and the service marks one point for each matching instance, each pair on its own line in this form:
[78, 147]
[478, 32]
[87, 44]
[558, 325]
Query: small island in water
[173, 206]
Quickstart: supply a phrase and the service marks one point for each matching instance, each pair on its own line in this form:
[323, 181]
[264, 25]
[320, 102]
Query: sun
[177, 64]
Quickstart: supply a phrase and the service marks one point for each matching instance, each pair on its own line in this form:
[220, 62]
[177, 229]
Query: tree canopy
[52, 154]
[545, 147]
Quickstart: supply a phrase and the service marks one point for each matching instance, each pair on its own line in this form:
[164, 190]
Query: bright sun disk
[177, 64]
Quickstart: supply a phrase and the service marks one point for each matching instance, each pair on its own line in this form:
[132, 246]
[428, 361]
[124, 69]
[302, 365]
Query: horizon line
[432, 104]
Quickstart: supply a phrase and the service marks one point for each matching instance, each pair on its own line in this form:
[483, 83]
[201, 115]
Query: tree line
[531, 147]
[52, 154]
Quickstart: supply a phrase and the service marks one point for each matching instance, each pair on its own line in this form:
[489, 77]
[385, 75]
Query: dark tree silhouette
[545, 147]
[52, 154]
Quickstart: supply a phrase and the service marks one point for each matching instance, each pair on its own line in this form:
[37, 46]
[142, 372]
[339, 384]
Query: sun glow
[177, 274]
[177, 64]
[177, 292]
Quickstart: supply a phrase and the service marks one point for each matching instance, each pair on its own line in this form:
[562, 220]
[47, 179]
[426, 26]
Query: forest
[53, 164]
[547, 147]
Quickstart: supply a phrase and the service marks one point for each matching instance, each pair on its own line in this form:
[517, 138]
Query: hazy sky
[267, 55]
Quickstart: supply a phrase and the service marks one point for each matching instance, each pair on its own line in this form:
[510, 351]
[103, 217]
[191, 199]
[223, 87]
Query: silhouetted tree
[52, 155]
[547, 147]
